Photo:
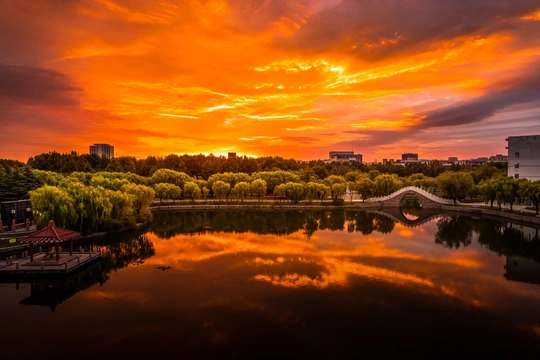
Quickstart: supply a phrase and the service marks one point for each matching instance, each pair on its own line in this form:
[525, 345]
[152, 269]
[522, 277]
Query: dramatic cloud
[524, 91]
[273, 77]
[378, 29]
[28, 85]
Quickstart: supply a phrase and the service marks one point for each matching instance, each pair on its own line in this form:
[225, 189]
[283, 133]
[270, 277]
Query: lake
[289, 284]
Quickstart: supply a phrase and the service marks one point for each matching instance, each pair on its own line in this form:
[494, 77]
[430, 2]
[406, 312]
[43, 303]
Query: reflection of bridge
[426, 199]
[426, 215]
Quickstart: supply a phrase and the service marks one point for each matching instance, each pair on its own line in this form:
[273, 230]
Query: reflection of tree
[383, 224]
[454, 230]
[117, 255]
[167, 224]
[509, 240]
[366, 222]
[332, 220]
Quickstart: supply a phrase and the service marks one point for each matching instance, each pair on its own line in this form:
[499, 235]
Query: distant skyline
[295, 79]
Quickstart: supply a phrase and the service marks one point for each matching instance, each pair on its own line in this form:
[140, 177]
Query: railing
[415, 189]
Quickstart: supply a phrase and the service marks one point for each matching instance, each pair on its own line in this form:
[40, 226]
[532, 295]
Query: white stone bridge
[426, 199]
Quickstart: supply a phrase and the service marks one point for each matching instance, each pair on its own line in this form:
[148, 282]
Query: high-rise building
[524, 157]
[231, 155]
[102, 150]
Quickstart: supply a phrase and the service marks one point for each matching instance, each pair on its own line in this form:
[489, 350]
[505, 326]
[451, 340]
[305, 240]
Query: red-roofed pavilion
[51, 235]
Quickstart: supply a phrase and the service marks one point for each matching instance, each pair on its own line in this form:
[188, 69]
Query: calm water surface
[263, 284]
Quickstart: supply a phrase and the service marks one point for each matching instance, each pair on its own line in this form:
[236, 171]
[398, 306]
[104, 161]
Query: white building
[102, 150]
[524, 157]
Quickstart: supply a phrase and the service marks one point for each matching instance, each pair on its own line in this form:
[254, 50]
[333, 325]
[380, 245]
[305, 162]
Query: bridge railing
[415, 189]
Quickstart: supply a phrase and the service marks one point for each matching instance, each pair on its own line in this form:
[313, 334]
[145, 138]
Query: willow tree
[365, 187]
[220, 189]
[167, 191]
[170, 176]
[142, 197]
[323, 191]
[386, 184]
[533, 193]
[454, 185]
[295, 191]
[338, 190]
[258, 187]
[241, 190]
[311, 190]
[192, 191]
[122, 204]
[52, 203]
[91, 204]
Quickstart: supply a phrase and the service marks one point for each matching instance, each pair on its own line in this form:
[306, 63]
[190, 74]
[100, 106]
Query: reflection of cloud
[131, 296]
[338, 273]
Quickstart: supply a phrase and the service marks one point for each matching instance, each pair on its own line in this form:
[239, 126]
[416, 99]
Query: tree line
[92, 201]
[203, 166]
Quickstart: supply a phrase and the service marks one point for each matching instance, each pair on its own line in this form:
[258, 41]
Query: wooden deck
[47, 264]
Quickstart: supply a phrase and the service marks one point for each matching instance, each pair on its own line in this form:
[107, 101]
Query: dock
[46, 263]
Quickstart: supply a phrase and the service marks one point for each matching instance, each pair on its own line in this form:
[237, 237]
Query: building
[524, 157]
[409, 157]
[499, 158]
[345, 156]
[102, 150]
[231, 155]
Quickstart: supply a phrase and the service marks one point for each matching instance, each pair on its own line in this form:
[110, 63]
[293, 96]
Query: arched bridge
[396, 215]
[426, 199]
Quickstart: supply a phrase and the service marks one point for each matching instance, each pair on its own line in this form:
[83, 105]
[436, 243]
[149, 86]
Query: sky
[286, 78]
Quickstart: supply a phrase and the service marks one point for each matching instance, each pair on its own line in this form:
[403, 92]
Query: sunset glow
[268, 78]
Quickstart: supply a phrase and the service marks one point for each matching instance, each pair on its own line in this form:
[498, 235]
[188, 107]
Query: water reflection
[243, 283]
[51, 290]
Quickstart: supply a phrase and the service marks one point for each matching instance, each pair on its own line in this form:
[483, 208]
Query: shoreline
[490, 213]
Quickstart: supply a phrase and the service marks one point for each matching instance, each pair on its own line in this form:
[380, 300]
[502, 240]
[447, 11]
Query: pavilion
[51, 235]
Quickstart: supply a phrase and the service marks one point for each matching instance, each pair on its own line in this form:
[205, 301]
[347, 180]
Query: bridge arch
[426, 199]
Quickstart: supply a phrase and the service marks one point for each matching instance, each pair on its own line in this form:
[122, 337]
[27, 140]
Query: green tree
[192, 191]
[323, 191]
[142, 197]
[488, 190]
[295, 191]
[258, 187]
[311, 189]
[171, 177]
[386, 184]
[455, 185]
[533, 193]
[366, 188]
[161, 191]
[220, 189]
[241, 190]
[122, 204]
[338, 190]
[91, 205]
[52, 203]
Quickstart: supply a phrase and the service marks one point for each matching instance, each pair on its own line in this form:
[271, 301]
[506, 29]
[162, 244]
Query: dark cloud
[378, 29]
[521, 91]
[36, 86]
[373, 138]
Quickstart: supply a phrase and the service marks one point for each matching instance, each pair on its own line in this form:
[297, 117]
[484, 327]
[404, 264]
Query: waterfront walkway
[47, 264]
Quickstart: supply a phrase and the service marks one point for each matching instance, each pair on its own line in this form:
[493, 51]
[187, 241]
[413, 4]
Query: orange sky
[273, 77]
